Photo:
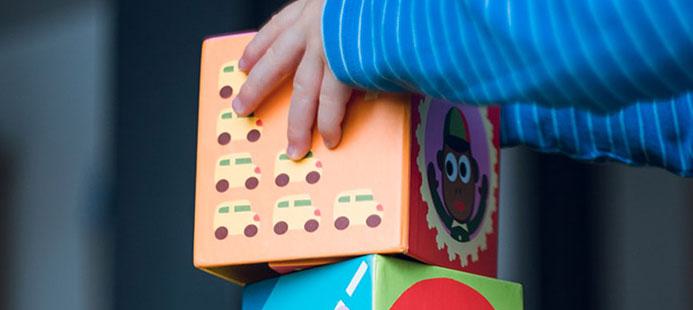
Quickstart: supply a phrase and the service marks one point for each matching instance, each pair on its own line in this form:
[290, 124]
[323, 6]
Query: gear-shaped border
[454, 247]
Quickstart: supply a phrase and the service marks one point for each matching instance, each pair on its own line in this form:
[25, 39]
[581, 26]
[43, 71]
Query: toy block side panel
[405, 285]
[254, 205]
[242, 274]
[297, 265]
[345, 285]
[453, 216]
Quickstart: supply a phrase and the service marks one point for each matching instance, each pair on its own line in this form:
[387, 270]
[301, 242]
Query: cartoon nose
[258, 122]
[256, 218]
[316, 212]
[257, 169]
[379, 207]
[318, 164]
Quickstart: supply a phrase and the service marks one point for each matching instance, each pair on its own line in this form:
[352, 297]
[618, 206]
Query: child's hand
[291, 37]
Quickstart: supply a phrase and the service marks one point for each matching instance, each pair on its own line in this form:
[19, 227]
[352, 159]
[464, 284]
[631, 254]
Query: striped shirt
[654, 133]
[593, 79]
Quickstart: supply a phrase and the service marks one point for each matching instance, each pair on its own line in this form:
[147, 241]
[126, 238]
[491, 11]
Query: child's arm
[600, 54]
[588, 54]
[657, 134]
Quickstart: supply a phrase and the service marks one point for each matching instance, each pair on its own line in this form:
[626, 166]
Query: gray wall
[54, 129]
[642, 252]
[648, 240]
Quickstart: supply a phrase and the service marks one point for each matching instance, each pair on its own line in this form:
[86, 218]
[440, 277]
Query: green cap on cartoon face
[456, 132]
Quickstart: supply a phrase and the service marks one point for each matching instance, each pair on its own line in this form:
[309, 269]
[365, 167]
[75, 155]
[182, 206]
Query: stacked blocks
[382, 282]
[413, 175]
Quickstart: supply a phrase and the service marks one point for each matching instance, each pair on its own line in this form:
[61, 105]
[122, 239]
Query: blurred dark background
[98, 117]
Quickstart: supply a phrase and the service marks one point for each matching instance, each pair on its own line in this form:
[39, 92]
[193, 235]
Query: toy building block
[413, 175]
[382, 282]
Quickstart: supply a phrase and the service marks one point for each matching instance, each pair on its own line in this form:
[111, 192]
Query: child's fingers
[279, 60]
[333, 100]
[268, 34]
[304, 104]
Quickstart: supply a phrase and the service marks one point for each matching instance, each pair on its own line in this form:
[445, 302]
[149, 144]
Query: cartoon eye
[451, 167]
[465, 171]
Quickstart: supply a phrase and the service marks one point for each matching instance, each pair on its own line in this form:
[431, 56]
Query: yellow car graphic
[295, 212]
[235, 218]
[230, 126]
[357, 207]
[230, 79]
[286, 170]
[236, 170]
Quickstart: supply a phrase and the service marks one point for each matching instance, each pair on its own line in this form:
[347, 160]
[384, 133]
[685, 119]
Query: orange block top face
[254, 205]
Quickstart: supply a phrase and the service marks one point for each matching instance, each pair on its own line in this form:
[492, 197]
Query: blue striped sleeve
[646, 133]
[600, 55]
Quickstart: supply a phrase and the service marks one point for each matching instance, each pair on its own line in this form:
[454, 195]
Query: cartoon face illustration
[235, 218]
[295, 212]
[357, 207]
[231, 127]
[308, 169]
[459, 177]
[458, 167]
[461, 172]
[230, 79]
[236, 170]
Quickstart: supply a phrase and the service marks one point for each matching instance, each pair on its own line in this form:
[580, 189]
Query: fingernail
[292, 152]
[330, 144]
[242, 64]
[236, 105]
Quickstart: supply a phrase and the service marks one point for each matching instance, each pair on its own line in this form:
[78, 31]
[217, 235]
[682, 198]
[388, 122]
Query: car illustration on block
[230, 79]
[235, 218]
[357, 207]
[308, 169]
[295, 212]
[231, 127]
[235, 171]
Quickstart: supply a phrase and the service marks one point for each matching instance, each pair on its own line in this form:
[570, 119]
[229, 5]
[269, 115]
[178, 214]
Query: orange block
[256, 210]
